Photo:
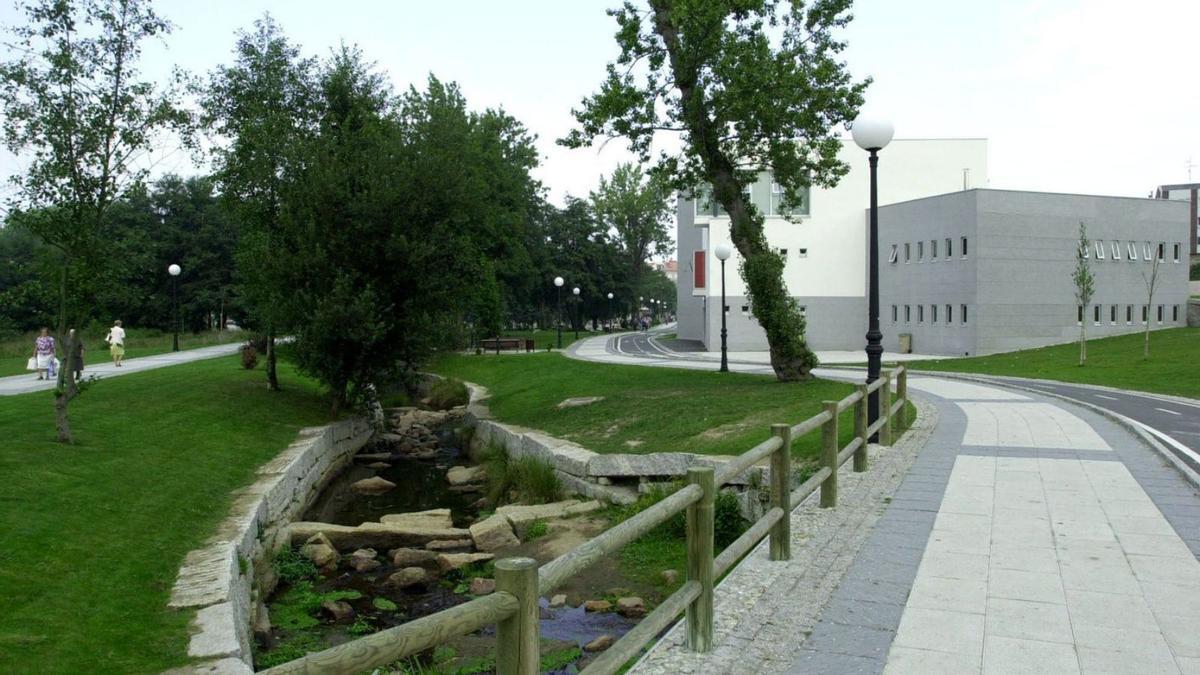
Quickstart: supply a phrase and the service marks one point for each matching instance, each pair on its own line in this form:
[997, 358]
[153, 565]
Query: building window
[1128, 315]
[920, 251]
[776, 205]
[1162, 251]
[1096, 315]
[803, 253]
[933, 249]
[895, 254]
[1131, 249]
[908, 314]
[1112, 315]
[746, 310]
[1160, 313]
[1145, 313]
[949, 313]
[962, 313]
[1116, 250]
[1099, 250]
[1146, 251]
[949, 248]
[962, 249]
[803, 311]
[921, 313]
[895, 313]
[907, 252]
[783, 253]
[1078, 315]
[1175, 313]
[933, 314]
[698, 261]
[1177, 246]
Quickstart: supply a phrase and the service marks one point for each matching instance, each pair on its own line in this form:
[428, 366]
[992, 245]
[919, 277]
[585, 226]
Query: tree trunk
[272, 377]
[65, 391]
[1082, 343]
[1146, 342]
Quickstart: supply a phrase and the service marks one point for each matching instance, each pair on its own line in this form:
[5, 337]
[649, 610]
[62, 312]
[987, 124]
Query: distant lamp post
[723, 251]
[575, 291]
[638, 318]
[873, 134]
[174, 271]
[558, 284]
[609, 317]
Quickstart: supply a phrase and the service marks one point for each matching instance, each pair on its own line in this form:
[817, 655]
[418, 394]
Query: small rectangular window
[895, 254]
[1160, 313]
[949, 248]
[907, 252]
[1145, 313]
[920, 251]
[1131, 249]
[1162, 251]
[895, 313]
[962, 249]
[1099, 250]
[1096, 315]
[933, 249]
[1116, 250]
[920, 313]
[804, 311]
[1112, 315]
[908, 314]
[949, 313]
[783, 252]
[1078, 314]
[1128, 315]
[1175, 313]
[962, 312]
[1176, 248]
[802, 253]
[746, 310]
[1146, 250]
[933, 314]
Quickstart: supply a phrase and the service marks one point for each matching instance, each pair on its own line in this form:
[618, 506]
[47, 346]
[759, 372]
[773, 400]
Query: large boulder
[599, 644]
[493, 534]
[451, 545]
[379, 536]
[453, 561]
[320, 551]
[338, 610]
[363, 560]
[374, 485]
[409, 576]
[463, 475]
[632, 607]
[432, 519]
[597, 606]
[413, 557]
[521, 516]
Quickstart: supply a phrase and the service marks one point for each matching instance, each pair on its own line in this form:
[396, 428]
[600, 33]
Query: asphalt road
[1175, 423]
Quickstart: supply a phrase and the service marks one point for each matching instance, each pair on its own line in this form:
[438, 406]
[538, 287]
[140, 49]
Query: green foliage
[728, 523]
[292, 566]
[297, 607]
[448, 393]
[637, 209]
[1195, 272]
[527, 480]
[537, 530]
[361, 626]
[559, 659]
[290, 648]
[383, 604]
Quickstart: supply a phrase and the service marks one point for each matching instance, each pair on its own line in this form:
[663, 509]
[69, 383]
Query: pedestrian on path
[116, 342]
[43, 354]
[77, 351]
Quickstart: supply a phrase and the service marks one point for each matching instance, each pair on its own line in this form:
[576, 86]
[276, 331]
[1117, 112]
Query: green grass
[659, 409]
[1112, 361]
[545, 339]
[14, 352]
[94, 533]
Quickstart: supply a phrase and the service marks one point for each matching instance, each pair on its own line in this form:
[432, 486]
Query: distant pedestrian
[116, 342]
[43, 354]
[77, 351]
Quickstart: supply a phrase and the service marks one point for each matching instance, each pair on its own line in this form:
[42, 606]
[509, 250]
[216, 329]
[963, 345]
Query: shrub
[527, 479]
[249, 357]
[537, 529]
[728, 523]
[448, 393]
[293, 566]
[1195, 275]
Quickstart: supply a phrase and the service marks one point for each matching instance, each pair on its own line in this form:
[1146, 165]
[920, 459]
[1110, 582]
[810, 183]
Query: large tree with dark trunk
[749, 85]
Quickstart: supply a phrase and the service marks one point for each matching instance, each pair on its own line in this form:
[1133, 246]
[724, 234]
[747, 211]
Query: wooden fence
[513, 608]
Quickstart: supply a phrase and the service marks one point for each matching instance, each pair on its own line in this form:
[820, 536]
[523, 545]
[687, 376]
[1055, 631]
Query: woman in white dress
[43, 354]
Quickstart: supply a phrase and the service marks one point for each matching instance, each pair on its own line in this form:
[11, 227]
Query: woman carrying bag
[43, 355]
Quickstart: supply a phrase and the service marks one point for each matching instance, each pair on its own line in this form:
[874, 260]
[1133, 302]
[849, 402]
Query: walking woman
[43, 354]
[116, 342]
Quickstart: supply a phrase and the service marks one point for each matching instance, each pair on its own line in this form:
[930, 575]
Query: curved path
[1031, 534]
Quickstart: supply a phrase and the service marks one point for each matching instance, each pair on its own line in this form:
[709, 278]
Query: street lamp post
[558, 284]
[723, 252]
[575, 291]
[609, 317]
[638, 314]
[873, 134]
[174, 271]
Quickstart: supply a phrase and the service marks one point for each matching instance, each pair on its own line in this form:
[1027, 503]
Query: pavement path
[24, 384]
[1030, 535]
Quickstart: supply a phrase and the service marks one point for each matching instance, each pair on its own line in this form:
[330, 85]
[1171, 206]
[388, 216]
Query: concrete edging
[224, 579]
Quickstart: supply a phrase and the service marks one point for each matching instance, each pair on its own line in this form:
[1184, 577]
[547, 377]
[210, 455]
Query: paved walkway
[24, 384]
[1029, 535]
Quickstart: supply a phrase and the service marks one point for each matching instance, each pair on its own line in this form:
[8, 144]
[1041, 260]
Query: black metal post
[559, 317]
[175, 303]
[608, 319]
[724, 332]
[578, 306]
[874, 337]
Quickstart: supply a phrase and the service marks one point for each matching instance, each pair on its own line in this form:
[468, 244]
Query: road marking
[1110, 398]
[1168, 411]
[1169, 441]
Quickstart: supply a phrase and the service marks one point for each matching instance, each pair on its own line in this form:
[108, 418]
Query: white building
[825, 244]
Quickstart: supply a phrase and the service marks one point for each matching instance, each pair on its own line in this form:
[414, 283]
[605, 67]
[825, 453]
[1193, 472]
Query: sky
[1084, 96]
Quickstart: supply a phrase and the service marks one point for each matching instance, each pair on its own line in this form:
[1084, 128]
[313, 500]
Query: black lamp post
[174, 271]
[608, 319]
[723, 251]
[575, 292]
[873, 134]
[558, 284]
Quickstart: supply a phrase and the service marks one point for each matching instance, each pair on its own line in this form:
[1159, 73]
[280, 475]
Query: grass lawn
[15, 352]
[1112, 361]
[647, 409]
[94, 533]
[544, 339]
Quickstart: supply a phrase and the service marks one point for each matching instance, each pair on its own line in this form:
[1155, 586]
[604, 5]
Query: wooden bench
[490, 344]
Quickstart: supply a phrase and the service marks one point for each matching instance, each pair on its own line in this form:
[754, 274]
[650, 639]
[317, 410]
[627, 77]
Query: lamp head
[174, 269]
[610, 296]
[871, 132]
[575, 290]
[558, 281]
[723, 251]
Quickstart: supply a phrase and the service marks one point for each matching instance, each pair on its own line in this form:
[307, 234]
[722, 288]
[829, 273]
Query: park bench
[507, 343]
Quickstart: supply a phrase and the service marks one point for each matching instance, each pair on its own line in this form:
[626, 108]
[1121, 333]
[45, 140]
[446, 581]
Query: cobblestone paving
[765, 610]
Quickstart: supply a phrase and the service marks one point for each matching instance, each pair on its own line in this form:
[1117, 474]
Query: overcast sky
[1088, 96]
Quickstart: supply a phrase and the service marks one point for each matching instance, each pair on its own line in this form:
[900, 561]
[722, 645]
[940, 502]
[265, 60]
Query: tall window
[907, 252]
[1146, 250]
[1116, 250]
[920, 251]
[933, 314]
[933, 250]
[921, 313]
[1175, 313]
[908, 314]
[949, 314]
[1112, 315]
[1128, 315]
[895, 313]
[1131, 249]
[1099, 250]
[895, 254]
[1145, 313]
[1162, 251]
[962, 249]
[962, 311]
[949, 248]
[1078, 314]
[1176, 248]
[1160, 313]
[1096, 315]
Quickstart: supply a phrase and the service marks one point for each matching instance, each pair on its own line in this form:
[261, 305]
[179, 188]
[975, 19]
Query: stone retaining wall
[224, 579]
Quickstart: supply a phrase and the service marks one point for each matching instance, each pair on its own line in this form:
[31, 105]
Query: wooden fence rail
[513, 608]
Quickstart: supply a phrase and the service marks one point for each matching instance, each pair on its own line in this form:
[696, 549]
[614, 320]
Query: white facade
[826, 249]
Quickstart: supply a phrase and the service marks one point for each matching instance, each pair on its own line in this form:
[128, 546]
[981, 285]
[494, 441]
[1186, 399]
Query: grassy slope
[16, 351]
[1114, 362]
[94, 533]
[668, 409]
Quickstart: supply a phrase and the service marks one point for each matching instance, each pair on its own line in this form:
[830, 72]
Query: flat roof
[1027, 192]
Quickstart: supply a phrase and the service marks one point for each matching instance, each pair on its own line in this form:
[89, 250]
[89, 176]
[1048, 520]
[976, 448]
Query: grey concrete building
[984, 271]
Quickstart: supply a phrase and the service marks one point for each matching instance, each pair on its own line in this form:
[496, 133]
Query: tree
[635, 209]
[750, 85]
[76, 111]
[1085, 286]
[1151, 282]
[261, 108]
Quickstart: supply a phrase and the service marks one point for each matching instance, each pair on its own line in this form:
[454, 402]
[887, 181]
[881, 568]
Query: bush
[448, 393]
[526, 480]
[1195, 275]
[728, 523]
[249, 357]
[291, 565]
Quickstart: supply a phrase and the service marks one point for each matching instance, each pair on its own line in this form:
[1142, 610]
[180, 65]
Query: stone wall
[225, 579]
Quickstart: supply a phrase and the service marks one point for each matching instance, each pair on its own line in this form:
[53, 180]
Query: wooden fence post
[902, 394]
[829, 456]
[885, 404]
[860, 429]
[518, 642]
[700, 559]
[781, 493]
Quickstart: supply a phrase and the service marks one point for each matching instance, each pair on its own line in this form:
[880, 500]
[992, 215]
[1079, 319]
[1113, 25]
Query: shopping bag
[31, 364]
[52, 371]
